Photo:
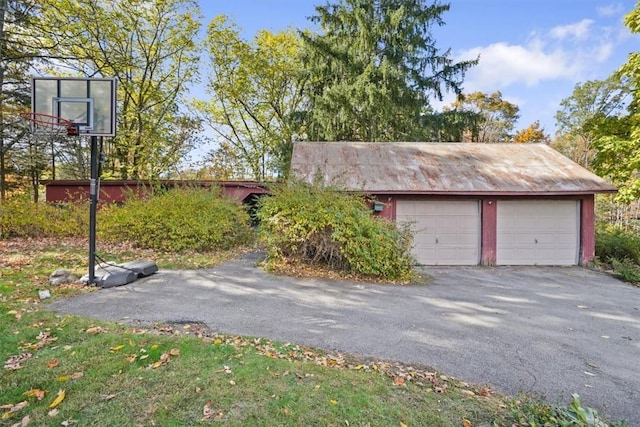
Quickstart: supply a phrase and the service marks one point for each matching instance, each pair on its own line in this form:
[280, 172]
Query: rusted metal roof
[436, 168]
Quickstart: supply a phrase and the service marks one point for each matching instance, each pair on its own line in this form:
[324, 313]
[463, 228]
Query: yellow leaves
[11, 409]
[16, 313]
[43, 337]
[58, 400]
[165, 357]
[35, 392]
[466, 423]
[94, 330]
[116, 348]
[333, 402]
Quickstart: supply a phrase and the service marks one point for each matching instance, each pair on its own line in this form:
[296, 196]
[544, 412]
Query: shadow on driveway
[548, 330]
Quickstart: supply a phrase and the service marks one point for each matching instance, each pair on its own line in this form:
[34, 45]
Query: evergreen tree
[374, 68]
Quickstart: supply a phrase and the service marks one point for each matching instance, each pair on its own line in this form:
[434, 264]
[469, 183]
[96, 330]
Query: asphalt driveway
[549, 330]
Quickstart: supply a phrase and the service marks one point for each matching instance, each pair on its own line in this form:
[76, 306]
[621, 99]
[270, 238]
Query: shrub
[614, 243]
[626, 269]
[529, 411]
[21, 217]
[322, 226]
[178, 219]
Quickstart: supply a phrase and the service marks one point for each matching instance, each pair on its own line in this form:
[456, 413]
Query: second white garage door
[537, 232]
[447, 232]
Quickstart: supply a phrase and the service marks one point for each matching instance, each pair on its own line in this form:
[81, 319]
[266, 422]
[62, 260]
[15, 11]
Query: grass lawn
[66, 370]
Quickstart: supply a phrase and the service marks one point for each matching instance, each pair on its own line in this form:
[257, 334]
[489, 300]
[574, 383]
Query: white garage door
[537, 232]
[447, 232]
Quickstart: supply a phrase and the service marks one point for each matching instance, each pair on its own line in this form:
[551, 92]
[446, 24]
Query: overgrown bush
[619, 250]
[179, 219]
[614, 243]
[322, 226]
[626, 269]
[21, 217]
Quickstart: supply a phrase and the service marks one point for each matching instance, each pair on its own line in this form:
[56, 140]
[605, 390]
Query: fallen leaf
[174, 352]
[486, 391]
[23, 423]
[11, 409]
[18, 314]
[53, 363]
[77, 375]
[402, 424]
[15, 362]
[207, 411]
[116, 348]
[132, 358]
[53, 412]
[466, 423]
[35, 392]
[94, 330]
[398, 381]
[467, 392]
[333, 402]
[58, 399]
[63, 378]
[107, 396]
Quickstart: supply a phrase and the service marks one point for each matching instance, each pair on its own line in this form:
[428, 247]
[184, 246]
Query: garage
[537, 232]
[447, 232]
[488, 204]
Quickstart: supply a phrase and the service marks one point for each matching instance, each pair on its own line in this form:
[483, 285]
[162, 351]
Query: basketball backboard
[90, 104]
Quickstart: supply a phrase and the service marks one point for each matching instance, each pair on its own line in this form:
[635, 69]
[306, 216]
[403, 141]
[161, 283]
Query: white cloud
[603, 52]
[566, 52]
[578, 31]
[503, 64]
[610, 10]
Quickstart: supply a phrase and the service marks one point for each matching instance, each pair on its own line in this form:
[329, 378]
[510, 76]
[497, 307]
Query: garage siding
[447, 232]
[537, 232]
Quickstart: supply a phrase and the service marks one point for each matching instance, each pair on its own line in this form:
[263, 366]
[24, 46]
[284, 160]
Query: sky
[533, 51]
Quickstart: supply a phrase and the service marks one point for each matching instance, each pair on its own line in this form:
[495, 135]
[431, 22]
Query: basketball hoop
[47, 123]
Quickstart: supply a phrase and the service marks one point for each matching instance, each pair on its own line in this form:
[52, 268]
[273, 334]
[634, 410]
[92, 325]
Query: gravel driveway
[548, 330]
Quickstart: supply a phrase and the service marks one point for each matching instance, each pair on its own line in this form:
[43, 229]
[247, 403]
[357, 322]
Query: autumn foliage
[21, 217]
[324, 227]
[180, 219]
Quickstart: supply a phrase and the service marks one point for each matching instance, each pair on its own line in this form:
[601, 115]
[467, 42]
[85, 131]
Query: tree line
[367, 71]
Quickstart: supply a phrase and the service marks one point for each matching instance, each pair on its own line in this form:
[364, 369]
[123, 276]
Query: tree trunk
[3, 11]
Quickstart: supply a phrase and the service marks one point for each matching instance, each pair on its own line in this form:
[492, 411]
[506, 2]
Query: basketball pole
[93, 199]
